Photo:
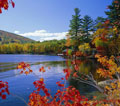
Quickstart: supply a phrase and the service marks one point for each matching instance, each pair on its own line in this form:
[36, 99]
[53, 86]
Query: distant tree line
[46, 47]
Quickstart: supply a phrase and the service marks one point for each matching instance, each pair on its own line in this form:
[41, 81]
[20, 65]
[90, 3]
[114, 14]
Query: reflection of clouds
[16, 72]
[52, 72]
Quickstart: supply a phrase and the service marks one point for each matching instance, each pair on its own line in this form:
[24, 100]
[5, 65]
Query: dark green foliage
[100, 20]
[87, 27]
[75, 23]
[81, 28]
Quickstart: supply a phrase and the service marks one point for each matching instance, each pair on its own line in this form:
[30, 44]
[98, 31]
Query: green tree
[75, 23]
[87, 28]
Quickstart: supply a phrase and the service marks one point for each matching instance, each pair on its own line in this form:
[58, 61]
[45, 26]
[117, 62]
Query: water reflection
[7, 66]
[22, 85]
[82, 87]
[89, 66]
[84, 67]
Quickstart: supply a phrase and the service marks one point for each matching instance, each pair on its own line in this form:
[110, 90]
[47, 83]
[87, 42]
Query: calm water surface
[22, 85]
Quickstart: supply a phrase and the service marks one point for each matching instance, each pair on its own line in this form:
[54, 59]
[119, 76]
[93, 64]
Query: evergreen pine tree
[87, 27]
[75, 23]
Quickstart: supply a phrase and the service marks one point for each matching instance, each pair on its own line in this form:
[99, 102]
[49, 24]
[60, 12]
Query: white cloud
[41, 35]
[16, 32]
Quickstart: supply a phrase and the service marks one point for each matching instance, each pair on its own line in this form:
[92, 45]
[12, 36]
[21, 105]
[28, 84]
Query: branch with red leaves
[4, 4]
[3, 89]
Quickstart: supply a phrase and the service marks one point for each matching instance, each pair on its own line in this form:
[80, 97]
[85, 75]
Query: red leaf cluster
[5, 4]
[64, 97]
[59, 84]
[40, 85]
[42, 69]
[67, 72]
[3, 89]
[24, 67]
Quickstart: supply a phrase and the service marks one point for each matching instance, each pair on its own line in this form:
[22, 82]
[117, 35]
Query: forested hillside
[7, 37]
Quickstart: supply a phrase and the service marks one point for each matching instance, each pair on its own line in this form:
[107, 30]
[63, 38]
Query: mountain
[7, 37]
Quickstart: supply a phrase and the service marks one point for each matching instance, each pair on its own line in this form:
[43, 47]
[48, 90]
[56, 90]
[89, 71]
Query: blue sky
[47, 19]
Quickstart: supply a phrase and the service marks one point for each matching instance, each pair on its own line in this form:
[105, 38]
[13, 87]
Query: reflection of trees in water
[86, 75]
[87, 66]
[7, 66]
[84, 89]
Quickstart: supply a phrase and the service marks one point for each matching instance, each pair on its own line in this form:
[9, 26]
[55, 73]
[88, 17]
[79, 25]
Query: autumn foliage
[3, 89]
[110, 71]
[4, 4]
[24, 68]
[70, 96]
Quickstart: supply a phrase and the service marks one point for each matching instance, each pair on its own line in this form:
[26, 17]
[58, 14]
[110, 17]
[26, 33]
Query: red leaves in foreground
[64, 97]
[0, 10]
[67, 72]
[3, 89]
[13, 4]
[42, 69]
[69, 97]
[24, 67]
[40, 85]
[59, 84]
[35, 99]
[5, 4]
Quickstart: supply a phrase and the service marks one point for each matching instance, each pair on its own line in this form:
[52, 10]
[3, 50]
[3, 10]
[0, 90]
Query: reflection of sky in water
[22, 85]
[28, 58]
[53, 71]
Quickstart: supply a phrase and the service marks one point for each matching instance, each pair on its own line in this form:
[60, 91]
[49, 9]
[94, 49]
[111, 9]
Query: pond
[21, 85]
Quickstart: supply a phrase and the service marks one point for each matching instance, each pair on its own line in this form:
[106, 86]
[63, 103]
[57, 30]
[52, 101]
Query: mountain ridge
[9, 37]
